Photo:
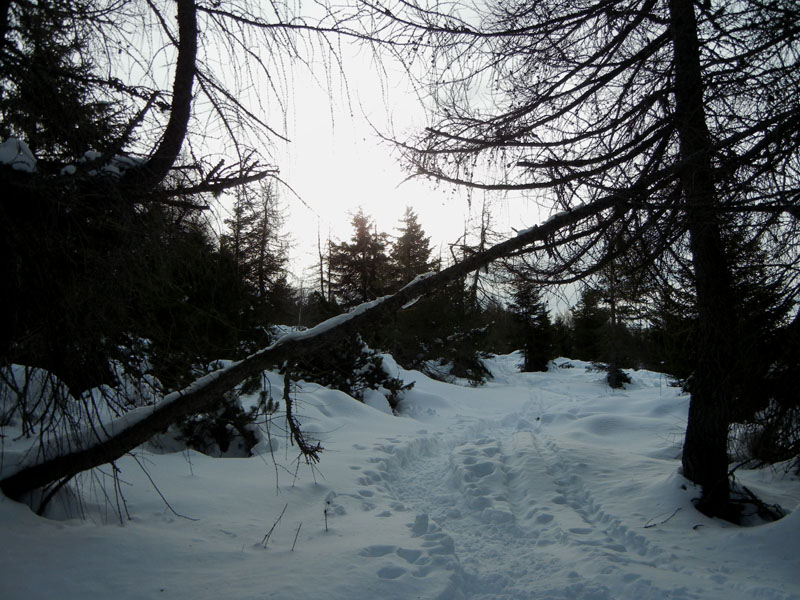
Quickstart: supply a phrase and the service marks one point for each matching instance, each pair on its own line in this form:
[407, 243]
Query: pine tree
[589, 318]
[534, 320]
[503, 335]
[411, 252]
[256, 238]
[49, 94]
[189, 307]
[360, 268]
[618, 288]
[260, 250]
[563, 335]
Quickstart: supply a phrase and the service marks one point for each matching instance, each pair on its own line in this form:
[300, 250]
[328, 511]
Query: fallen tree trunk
[131, 430]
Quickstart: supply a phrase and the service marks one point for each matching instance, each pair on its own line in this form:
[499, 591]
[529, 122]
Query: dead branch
[308, 449]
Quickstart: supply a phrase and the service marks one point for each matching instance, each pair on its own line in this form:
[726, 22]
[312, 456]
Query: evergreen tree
[443, 334]
[404, 336]
[256, 239]
[619, 291]
[534, 320]
[316, 308]
[260, 251]
[411, 252]
[503, 335]
[189, 308]
[360, 268]
[48, 95]
[600, 333]
[454, 333]
[563, 335]
[589, 319]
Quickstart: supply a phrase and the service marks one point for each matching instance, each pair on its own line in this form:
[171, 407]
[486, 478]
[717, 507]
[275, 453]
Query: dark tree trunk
[153, 172]
[705, 450]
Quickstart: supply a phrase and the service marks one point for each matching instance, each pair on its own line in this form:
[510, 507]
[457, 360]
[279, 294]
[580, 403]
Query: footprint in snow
[436, 551]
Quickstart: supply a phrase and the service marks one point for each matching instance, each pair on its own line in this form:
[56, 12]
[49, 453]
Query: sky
[337, 163]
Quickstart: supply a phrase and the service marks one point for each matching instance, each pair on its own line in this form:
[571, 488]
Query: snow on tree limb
[133, 429]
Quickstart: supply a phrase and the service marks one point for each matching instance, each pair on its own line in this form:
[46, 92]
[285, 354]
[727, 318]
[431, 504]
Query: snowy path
[543, 486]
[521, 519]
[514, 515]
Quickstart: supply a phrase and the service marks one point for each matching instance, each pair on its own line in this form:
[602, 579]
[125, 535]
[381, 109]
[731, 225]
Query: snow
[117, 166]
[537, 485]
[16, 153]
[413, 282]
[328, 324]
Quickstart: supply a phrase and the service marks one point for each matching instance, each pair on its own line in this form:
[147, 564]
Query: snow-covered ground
[543, 486]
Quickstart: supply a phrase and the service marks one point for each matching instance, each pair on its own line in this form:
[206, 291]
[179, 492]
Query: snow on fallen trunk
[132, 431]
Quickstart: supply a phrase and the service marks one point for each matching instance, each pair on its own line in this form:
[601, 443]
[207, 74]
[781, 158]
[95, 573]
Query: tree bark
[155, 170]
[205, 391]
[705, 449]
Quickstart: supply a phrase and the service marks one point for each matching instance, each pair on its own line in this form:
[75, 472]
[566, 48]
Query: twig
[118, 495]
[50, 495]
[267, 422]
[768, 512]
[158, 491]
[296, 534]
[265, 541]
[309, 451]
[648, 525]
[188, 457]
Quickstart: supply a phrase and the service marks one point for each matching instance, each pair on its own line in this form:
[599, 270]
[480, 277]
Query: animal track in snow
[513, 499]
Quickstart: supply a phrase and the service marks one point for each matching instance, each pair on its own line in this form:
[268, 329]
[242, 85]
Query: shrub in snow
[351, 366]
[772, 436]
[455, 357]
[615, 377]
[228, 430]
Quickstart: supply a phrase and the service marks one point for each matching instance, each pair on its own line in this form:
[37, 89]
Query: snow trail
[544, 486]
[477, 489]
[520, 515]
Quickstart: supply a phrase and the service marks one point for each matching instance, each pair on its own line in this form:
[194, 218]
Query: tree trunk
[705, 450]
[153, 172]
